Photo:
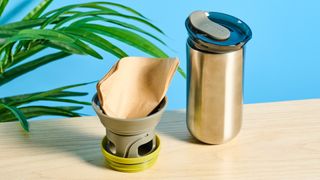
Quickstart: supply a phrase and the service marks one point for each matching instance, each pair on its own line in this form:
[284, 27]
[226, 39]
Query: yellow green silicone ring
[130, 164]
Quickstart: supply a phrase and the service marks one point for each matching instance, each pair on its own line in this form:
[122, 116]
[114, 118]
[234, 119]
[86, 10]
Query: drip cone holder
[131, 144]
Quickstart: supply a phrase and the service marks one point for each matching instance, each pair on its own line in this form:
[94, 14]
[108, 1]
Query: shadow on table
[173, 124]
[62, 137]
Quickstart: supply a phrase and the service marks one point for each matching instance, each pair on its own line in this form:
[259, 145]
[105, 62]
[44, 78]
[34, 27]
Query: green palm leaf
[55, 39]
[20, 56]
[123, 7]
[96, 40]
[21, 99]
[49, 95]
[66, 101]
[60, 11]
[8, 57]
[28, 23]
[37, 111]
[125, 36]
[36, 12]
[17, 114]
[69, 94]
[102, 12]
[91, 5]
[7, 33]
[29, 66]
[120, 23]
[61, 89]
[3, 4]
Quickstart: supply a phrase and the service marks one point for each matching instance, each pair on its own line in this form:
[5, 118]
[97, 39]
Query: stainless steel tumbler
[214, 75]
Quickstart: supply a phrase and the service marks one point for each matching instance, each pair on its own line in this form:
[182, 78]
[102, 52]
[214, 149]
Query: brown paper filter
[135, 86]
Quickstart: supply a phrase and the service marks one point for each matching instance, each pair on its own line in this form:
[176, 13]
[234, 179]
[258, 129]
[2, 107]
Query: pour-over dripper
[132, 138]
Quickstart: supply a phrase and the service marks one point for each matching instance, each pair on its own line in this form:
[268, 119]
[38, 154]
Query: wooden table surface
[277, 141]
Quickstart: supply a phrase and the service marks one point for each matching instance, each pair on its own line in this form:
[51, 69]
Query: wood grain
[277, 141]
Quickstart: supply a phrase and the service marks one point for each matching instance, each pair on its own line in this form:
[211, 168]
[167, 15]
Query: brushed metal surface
[214, 90]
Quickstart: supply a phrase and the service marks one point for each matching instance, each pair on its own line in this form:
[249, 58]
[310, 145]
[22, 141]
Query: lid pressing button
[200, 21]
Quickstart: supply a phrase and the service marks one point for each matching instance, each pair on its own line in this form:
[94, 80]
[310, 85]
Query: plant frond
[3, 4]
[17, 114]
[37, 111]
[36, 12]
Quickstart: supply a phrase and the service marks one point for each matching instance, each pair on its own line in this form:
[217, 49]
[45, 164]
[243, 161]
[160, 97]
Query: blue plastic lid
[238, 33]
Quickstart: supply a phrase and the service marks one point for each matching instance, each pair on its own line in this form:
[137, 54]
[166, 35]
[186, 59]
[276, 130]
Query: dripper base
[130, 164]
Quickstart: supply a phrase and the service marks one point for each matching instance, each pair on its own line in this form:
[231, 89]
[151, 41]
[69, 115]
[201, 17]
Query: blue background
[282, 60]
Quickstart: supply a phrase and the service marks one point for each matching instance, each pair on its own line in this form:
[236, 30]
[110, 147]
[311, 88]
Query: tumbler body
[215, 58]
